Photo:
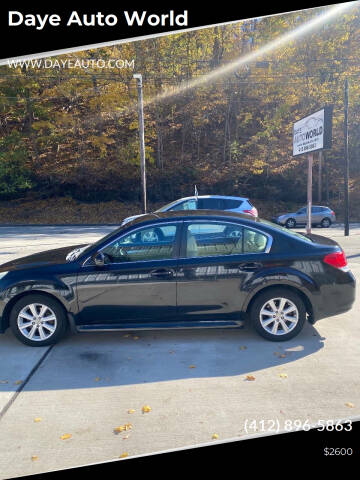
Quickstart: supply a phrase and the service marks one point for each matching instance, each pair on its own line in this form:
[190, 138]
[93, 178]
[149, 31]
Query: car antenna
[196, 193]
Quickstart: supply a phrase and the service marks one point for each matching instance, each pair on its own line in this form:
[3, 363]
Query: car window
[301, 211]
[210, 203]
[254, 242]
[150, 243]
[187, 205]
[230, 204]
[211, 239]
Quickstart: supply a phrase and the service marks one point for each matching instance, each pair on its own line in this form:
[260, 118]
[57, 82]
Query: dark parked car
[178, 270]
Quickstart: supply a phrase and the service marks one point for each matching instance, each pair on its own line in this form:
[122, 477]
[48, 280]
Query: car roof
[227, 197]
[195, 214]
[319, 206]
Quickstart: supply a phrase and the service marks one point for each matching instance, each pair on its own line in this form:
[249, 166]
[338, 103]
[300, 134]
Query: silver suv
[320, 215]
[207, 202]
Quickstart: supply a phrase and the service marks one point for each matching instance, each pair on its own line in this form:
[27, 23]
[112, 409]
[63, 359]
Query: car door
[216, 260]
[137, 282]
[301, 216]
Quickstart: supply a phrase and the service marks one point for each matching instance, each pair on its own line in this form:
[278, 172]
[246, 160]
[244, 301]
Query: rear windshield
[291, 233]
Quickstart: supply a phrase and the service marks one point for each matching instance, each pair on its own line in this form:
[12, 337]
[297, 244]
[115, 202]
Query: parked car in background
[186, 269]
[320, 215]
[207, 202]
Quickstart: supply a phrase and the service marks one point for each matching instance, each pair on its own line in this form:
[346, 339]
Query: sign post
[309, 193]
[312, 134]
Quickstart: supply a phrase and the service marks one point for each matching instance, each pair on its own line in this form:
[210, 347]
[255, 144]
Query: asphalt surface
[194, 381]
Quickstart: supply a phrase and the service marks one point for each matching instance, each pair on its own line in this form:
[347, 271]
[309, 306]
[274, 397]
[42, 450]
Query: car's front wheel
[290, 223]
[278, 314]
[38, 320]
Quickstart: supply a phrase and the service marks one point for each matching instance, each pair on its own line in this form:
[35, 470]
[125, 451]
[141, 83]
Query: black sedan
[178, 270]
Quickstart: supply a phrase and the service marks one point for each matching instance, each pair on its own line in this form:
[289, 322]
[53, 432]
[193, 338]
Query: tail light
[252, 212]
[337, 260]
[332, 213]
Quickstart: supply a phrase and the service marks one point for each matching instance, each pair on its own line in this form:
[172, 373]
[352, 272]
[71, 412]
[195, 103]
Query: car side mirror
[99, 259]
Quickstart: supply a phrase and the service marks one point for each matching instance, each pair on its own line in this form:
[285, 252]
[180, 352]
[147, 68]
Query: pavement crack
[25, 382]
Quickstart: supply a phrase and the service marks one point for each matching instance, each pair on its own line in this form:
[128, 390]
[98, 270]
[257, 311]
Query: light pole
[346, 167]
[138, 78]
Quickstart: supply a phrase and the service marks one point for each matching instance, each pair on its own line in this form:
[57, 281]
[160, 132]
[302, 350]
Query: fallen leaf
[123, 428]
[243, 347]
[282, 355]
[349, 404]
[192, 366]
[18, 382]
[283, 375]
[215, 436]
[127, 335]
[66, 436]
[124, 455]
[97, 379]
[131, 410]
[34, 457]
[136, 338]
[250, 378]
[146, 409]
[37, 419]
[119, 429]
[126, 436]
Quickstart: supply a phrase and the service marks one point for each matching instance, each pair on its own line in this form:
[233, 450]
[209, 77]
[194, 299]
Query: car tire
[290, 223]
[35, 316]
[268, 317]
[325, 222]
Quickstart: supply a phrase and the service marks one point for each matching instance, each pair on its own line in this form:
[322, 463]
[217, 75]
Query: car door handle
[250, 266]
[162, 273]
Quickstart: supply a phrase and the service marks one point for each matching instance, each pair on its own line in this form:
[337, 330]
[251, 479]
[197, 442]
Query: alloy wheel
[37, 322]
[279, 316]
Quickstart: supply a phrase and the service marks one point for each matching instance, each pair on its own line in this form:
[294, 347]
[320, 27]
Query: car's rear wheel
[290, 223]
[38, 320]
[326, 222]
[278, 314]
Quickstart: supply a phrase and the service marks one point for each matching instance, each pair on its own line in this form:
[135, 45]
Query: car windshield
[167, 206]
[73, 255]
[299, 235]
[95, 244]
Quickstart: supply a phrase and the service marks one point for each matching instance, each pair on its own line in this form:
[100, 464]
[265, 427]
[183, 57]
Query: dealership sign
[313, 132]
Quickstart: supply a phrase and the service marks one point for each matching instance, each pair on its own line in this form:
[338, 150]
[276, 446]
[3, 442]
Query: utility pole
[346, 167]
[138, 78]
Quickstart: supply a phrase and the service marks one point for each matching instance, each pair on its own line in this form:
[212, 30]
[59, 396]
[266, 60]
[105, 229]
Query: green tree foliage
[76, 129]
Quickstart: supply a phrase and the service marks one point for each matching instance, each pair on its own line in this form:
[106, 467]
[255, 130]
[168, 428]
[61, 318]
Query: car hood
[285, 215]
[54, 256]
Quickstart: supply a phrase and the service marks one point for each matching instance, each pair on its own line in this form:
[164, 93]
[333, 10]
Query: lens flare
[317, 21]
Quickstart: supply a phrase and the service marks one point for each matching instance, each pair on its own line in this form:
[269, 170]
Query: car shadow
[110, 359]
